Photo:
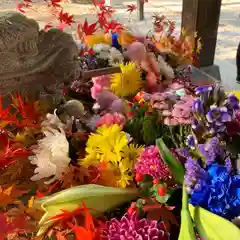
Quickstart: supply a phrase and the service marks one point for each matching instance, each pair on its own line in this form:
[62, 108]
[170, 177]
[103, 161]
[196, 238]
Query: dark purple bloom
[198, 107]
[195, 124]
[191, 142]
[220, 192]
[134, 228]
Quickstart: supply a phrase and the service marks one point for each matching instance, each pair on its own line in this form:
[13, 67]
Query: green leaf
[96, 197]
[211, 226]
[186, 229]
[176, 168]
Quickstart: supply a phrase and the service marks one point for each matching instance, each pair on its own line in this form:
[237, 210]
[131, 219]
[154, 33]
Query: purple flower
[194, 175]
[195, 124]
[151, 163]
[198, 107]
[233, 102]
[203, 90]
[191, 142]
[211, 150]
[228, 165]
[218, 115]
[134, 228]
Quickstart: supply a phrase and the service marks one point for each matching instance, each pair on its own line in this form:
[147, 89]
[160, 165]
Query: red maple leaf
[27, 111]
[55, 3]
[64, 17]
[113, 26]
[131, 8]
[9, 151]
[86, 29]
[5, 116]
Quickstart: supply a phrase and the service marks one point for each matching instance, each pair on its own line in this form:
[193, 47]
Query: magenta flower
[150, 163]
[134, 228]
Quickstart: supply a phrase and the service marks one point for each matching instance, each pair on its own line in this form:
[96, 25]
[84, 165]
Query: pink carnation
[151, 163]
[99, 84]
[110, 119]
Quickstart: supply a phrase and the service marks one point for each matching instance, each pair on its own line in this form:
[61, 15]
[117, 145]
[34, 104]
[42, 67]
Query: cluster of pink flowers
[109, 119]
[151, 163]
[99, 84]
[173, 108]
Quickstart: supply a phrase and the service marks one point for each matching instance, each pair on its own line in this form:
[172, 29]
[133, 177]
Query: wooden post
[202, 17]
[140, 10]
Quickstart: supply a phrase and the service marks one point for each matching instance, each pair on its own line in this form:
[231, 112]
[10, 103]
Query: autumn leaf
[10, 195]
[113, 26]
[131, 8]
[162, 213]
[64, 17]
[27, 110]
[55, 3]
[9, 226]
[86, 29]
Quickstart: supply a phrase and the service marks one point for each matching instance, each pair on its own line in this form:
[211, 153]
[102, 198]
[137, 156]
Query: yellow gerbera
[128, 82]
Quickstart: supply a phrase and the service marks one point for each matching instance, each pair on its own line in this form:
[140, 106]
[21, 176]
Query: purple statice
[151, 163]
[191, 142]
[194, 175]
[211, 150]
[131, 227]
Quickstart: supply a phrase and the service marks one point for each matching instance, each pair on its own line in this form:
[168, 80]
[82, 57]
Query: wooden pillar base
[202, 17]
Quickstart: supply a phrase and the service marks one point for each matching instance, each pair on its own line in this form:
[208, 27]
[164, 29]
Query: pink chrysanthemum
[131, 227]
[150, 163]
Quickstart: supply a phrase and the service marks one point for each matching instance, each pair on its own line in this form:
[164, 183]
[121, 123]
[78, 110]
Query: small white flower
[115, 57]
[51, 155]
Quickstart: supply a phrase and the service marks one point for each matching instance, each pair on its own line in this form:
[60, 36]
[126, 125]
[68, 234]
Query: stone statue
[31, 58]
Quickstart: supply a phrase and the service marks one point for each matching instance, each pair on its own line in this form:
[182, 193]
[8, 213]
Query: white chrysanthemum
[165, 69]
[53, 121]
[51, 155]
[115, 57]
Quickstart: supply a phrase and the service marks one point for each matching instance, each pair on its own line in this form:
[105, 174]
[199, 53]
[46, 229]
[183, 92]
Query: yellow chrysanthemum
[110, 145]
[128, 82]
